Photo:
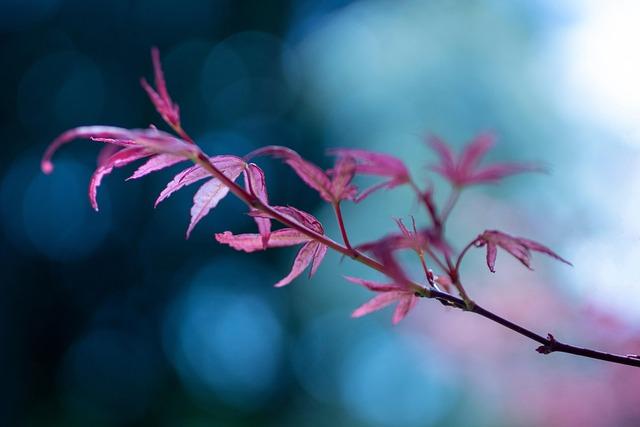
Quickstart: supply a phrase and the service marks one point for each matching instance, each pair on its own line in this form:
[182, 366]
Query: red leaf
[255, 183]
[303, 259]
[311, 174]
[404, 306]
[342, 174]
[374, 286]
[378, 302]
[209, 195]
[83, 132]
[253, 242]
[518, 247]
[377, 164]
[465, 170]
[105, 152]
[196, 173]
[119, 159]
[388, 294]
[303, 218]
[168, 110]
[156, 163]
[318, 256]
[157, 142]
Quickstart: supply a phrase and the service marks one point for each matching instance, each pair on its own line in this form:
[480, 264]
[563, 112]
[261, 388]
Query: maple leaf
[208, 194]
[333, 185]
[376, 164]
[388, 293]
[519, 247]
[341, 175]
[130, 145]
[311, 253]
[464, 169]
[255, 184]
[168, 110]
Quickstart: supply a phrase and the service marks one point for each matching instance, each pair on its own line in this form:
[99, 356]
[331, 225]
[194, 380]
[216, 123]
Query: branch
[548, 345]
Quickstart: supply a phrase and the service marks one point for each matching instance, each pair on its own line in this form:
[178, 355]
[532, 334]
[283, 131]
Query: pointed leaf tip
[520, 248]
[304, 257]
[46, 166]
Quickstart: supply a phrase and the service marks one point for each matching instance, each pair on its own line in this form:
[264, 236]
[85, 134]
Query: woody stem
[548, 345]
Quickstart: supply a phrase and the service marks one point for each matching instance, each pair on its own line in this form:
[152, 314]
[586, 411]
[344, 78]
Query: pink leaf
[342, 174]
[374, 286]
[311, 174]
[495, 173]
[384, 253]
[302, 261]
[255, 183]
[168, 110]
[404, 306]
[105, 152]
[447, 158]
[83, 132]
[119, 159]
[253, 242]
[303, 218]
[377, 164]
[492, 253]
[465, 171]
[196, 173]
[318, 256]
[475, 150]
[369, 191]
[209, 195]
[378, 302]
[374, 163]
[155, 141]
[156, 163]
[518, 247]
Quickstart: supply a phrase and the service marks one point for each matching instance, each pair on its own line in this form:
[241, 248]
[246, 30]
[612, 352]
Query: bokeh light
[225, 340]
[114, 318]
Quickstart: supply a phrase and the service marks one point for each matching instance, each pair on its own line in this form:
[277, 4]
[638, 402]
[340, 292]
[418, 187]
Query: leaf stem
[343, 229]
[463, 253]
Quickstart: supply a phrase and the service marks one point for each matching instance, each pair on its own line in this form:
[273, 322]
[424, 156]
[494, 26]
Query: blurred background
[114, 319]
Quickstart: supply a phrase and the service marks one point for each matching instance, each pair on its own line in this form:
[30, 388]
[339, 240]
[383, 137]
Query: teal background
[114, 319]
